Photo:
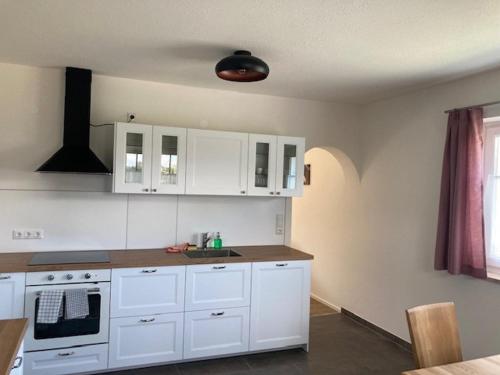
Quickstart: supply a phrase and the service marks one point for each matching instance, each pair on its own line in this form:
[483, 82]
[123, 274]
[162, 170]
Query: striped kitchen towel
[77, 304]
[50, 306]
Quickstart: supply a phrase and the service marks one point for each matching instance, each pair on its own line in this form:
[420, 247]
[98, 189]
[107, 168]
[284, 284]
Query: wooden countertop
[11, 337]
[18, 262]
[481, 366]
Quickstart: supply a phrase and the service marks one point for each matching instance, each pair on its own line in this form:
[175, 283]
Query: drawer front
[66, 361]
[147, 291]
[145, 340]
[12, 295]
[216, 332]
[214, 286]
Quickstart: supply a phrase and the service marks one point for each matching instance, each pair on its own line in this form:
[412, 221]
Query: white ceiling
[333, 50]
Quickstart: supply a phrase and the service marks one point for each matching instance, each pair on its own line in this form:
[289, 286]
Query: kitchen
[233, 188]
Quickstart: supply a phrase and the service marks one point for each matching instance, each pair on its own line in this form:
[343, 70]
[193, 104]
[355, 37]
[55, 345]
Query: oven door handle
[90, 290]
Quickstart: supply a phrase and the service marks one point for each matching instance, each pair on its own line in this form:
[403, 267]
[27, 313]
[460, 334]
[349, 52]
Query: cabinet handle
[17, 363]
[242, 192]
[147, 320]
[67, 354]
[149, 271]
[154, 190]
[281, 264]
[218, 314]
[271, 192]
[278, 193]
[218, 267]
[5, 277]
[146, 190]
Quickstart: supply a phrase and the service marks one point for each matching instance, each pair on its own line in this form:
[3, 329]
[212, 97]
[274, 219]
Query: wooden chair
[434, 334]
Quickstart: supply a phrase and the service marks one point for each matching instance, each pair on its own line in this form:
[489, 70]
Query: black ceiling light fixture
[242, 67]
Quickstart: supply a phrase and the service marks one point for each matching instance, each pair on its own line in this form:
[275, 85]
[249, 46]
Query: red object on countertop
[178, 248]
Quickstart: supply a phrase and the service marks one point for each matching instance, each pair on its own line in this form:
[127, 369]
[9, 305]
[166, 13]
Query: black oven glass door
[73, 327]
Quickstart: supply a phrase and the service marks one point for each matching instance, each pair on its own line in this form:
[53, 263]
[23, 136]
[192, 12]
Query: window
[491, 188]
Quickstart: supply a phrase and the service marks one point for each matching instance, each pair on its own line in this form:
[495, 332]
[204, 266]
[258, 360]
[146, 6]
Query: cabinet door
[145, 340]
[261, 164]
[17, 369]
[146, 291]
[212, 286]
[132, 158]
[216, 332]
[280, 304]
[12, 295]
[168, 173]
[217, 162]
[73, 360]
[290, 167]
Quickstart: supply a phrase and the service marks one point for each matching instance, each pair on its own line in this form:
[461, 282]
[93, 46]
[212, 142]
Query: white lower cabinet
[12, 295]
[143, 340]
[18, 362]
[280, 304]
[214, 286]
[216, 332]
[66, 361]
[147, 291]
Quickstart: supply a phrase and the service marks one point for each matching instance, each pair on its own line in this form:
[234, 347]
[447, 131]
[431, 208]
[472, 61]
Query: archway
[324, 222]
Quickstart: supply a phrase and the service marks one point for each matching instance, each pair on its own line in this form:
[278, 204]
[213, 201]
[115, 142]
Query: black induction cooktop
[69, 257]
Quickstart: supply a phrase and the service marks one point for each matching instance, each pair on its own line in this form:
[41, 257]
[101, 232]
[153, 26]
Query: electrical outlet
[280, 223]
[130, 116]
[27, 234]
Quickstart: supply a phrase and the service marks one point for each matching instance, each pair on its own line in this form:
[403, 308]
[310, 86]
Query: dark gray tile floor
[338, 346]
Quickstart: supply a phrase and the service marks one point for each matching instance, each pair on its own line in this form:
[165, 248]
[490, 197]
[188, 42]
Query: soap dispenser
[217, 241]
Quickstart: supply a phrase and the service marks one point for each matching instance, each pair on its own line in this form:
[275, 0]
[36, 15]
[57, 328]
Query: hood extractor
[75, 156]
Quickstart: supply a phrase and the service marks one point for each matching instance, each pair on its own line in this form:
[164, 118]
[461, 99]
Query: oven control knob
[51, 277]
[69, 276]
[87, 275]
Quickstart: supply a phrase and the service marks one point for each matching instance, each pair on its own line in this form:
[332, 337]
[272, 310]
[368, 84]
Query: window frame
[491, 133]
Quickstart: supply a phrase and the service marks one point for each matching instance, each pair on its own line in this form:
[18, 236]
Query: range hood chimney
[75, 156]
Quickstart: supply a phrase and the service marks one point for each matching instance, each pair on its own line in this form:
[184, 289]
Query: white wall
[79, 212]
[324, 221]
[402, 147]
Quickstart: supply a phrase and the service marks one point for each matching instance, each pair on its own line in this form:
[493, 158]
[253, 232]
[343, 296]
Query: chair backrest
[434, 334]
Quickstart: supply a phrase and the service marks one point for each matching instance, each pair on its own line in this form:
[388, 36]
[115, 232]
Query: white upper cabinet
[262, 164]
[280, 304]
[149, 159]
[132, 158]
[12, 295]
[290, 166]
[168, 173]
[217, 162]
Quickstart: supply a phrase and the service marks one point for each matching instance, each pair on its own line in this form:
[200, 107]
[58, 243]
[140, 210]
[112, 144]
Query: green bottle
[217, 241]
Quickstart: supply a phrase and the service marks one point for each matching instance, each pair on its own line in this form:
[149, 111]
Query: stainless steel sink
[211, 253]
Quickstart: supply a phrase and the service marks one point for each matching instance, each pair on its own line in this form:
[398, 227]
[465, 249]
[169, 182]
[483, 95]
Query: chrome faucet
[204, 240]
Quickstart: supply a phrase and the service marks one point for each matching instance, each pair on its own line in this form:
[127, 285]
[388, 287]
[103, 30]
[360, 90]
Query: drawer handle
[67, 354]
[218, 314]
[17, 363]
[154, 190]
[5, 277]
[149, 271]
[281, 264]
[278, 193]
[147, 320]
[218, 267]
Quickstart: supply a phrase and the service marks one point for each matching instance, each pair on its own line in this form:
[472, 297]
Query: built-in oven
[92, 329]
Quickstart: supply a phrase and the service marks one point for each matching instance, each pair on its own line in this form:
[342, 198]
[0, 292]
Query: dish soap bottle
[217, 241]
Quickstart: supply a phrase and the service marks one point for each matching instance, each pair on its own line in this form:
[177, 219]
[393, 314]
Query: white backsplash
[95, 220]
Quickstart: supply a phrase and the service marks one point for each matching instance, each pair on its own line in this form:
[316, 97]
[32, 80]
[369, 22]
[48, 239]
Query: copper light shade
[242, 67]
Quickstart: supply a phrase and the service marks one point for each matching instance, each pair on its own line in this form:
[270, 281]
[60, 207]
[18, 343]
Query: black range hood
[75, 156]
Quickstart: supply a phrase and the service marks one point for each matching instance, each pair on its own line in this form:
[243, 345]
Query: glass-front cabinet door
[262, 164]
[132, 160]
[290, 166]
[169, 160]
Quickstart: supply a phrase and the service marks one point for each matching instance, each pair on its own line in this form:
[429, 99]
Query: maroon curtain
[460, 245]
